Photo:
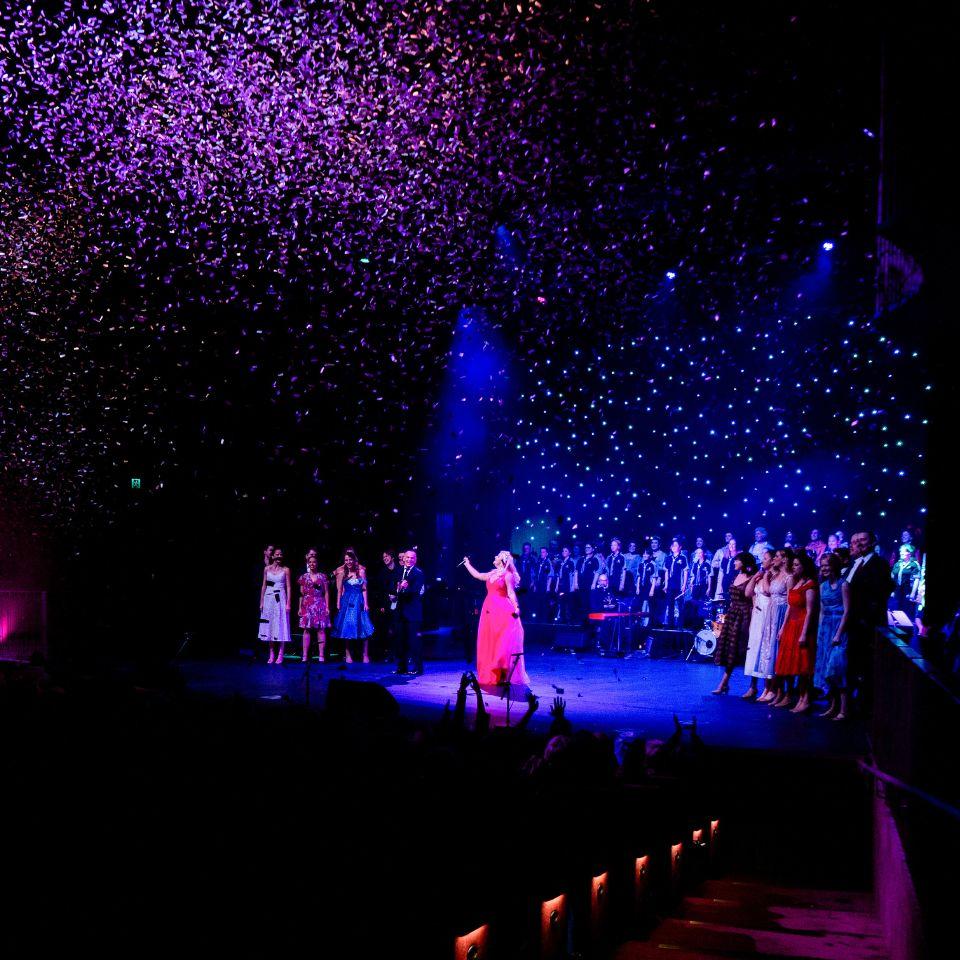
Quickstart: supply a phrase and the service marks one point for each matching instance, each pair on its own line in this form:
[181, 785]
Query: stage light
[671, 275]
[828, 245]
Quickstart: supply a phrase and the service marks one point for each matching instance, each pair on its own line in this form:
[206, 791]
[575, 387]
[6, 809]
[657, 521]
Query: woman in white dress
[761, 602]
[275, 606]
[776, 583]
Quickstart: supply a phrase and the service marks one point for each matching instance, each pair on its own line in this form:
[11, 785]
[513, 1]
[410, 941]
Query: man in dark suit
[410, 587]
[868, 586]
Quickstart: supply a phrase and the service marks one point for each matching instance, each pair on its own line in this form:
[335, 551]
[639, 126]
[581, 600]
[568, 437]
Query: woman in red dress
[500, 667]
[797, 652]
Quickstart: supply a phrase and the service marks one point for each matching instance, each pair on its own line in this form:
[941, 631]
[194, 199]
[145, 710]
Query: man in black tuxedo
[409, 591]
[868, 587]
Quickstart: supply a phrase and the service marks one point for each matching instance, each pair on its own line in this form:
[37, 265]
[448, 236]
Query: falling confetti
[215, 209]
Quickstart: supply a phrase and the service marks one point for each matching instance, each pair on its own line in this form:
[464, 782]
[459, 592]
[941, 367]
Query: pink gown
[499, 637]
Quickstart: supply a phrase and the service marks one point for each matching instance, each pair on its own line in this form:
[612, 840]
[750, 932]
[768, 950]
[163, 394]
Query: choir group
[800, 619]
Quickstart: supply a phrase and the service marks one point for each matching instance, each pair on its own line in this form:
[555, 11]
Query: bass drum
[705, 643]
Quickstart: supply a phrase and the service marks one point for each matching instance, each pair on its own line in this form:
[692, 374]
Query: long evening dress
[793, 658]
[831, 613]
[761, 604]
[499, 637]
[735, 632]
[772, 622]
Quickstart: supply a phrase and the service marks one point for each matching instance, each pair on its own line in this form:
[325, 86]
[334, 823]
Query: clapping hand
[464, 682]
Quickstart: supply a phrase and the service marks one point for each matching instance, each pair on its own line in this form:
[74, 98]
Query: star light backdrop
[317, 270]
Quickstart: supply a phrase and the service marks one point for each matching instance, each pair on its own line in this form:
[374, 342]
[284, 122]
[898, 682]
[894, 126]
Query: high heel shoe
[720, 690]
[751, 694]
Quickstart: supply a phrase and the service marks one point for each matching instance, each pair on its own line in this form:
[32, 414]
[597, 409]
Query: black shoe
[416, 672]
[399, 672]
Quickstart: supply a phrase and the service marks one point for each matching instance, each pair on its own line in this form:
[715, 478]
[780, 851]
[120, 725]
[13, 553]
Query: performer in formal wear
[830, 673]
[589, 568]
[674, 583]
[500, 666]
[650, 596]
[616, 565]
[339, 573]
[385, 604]
[869, 585]
[699, 579]
[797, 652]
[760, 545]
[410, 589]
[353, 607]
[603, 599]
[275, 606]
[755, 593]
[526, 565]
[314, 610]
[658, 555]
[633, 565]
[906, 580]
[776, 586]
[715, 566]
[545, 587]
[566, 581]
[724, 570]
[735, 633]
[816, 546]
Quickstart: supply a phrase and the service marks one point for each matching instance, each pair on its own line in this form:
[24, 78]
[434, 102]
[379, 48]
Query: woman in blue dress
[830, 672]
[353, 616]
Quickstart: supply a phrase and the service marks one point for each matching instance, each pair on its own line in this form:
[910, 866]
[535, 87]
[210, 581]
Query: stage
[634, 697]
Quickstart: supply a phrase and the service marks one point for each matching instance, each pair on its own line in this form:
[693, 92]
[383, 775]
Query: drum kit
[705, 642]
[624, 629]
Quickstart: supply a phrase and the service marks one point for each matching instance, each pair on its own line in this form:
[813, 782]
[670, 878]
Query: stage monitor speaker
[360, 698]
[670, 643]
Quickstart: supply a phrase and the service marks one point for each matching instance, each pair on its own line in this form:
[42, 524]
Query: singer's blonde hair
[506, 558]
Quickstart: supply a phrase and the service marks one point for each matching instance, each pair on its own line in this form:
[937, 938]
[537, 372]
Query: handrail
[934, 801]
[920, 662]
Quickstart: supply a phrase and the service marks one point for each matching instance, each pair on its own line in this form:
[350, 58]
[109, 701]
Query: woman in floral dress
[314, 607]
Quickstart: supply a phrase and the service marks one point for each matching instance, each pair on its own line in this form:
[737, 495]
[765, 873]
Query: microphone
[461, 563]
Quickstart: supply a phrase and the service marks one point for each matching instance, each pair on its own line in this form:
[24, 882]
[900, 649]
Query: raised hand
[533, 701]
[559, 707]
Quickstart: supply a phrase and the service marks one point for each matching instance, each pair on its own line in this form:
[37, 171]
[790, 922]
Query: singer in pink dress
[500, 667]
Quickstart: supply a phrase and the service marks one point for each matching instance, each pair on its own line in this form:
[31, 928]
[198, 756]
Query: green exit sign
[134, 483]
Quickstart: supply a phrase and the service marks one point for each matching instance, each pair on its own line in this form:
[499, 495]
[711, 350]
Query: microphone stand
[506, 683]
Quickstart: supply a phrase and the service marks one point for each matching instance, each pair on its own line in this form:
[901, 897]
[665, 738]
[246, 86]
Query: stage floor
[635, 697]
